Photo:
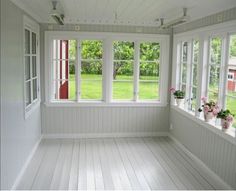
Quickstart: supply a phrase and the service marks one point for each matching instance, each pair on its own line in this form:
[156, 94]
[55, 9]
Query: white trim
[103, 135]
[220, 183]
[215, 129]
[26, 164]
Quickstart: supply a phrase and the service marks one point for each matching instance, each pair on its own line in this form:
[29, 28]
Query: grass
[91, 87]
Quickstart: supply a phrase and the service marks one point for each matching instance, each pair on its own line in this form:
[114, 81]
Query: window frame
[204, 35]
[108, 39]
[32, 27]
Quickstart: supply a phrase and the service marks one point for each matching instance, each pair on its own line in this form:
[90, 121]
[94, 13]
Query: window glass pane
[27, 41]
[123, 80]
[123, 52]
[148, 90]
[34, 69]
[193, 99]
[194, 74]
[184, 73]
[215, 50]
[34, 89]
[28, 93]
[231, 105]
[64, 56]
[214, 82]
[231, 81]
[27, 67]
[195, 51]
[33, 43]
[184, 52]
[91, 49]
[149, 51]
[91, 80]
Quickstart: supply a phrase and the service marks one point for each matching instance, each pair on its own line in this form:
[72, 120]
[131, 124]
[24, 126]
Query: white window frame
[204, 35]
[33, 27]
[108, 39]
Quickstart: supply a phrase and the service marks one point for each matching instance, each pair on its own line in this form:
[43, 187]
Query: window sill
[104, 104]
[31, 109]
[230, 135]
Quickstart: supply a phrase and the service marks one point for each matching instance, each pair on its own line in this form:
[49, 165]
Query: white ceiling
[129, 12]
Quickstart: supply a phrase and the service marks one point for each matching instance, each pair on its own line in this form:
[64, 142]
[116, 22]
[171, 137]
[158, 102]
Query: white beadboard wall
[215, 151]
[18, 135]
[104, 120]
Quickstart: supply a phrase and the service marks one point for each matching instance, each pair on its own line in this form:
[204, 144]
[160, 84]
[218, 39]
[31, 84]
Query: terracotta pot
[208, 116]
[225, 125]
[179, 102]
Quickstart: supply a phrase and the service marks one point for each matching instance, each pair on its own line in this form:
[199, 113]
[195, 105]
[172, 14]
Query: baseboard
[219, 181]
[22, 171]
[103, 135]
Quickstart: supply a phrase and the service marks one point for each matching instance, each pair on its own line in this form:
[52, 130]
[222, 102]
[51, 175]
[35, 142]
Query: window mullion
[225, 64]
[78, 71]
[188, 77]
[107, 70]
[136, 70]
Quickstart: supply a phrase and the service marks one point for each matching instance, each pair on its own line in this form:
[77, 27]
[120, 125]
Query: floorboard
[114, 164]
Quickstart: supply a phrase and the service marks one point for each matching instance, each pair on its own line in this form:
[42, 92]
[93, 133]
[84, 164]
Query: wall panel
[105, 119]
[216, 152]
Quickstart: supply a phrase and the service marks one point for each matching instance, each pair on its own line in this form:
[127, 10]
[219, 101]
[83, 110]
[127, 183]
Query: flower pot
[179, 102]
[208, 116]
[225, 125]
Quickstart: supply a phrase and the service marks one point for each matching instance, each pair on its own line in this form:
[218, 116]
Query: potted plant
[227, 119]
[210, 109]
[179, 96]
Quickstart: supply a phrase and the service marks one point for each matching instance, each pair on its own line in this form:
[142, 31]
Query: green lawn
[122, 88]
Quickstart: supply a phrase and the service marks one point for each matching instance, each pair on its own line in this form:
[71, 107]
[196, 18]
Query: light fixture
[56, 15]
[175, 22]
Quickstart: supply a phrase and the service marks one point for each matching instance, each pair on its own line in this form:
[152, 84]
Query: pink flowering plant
[210, 106]
[178, 94]
[226, 115]
[227, 118]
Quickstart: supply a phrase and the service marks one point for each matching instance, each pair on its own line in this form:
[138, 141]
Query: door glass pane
[33, 43]
[35, 89]
[27, 41]
[27, 67]
[34, 69]
[28, 93]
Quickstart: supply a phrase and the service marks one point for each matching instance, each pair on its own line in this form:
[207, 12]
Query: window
[203, 69]
[149, 66]
[89, 85]
[31, 79]
[231, 82]
[106, 68]
[64, 57]
[214, 65]
[123, 70]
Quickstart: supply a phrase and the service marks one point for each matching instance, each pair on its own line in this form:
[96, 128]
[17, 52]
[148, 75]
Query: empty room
[118, 94]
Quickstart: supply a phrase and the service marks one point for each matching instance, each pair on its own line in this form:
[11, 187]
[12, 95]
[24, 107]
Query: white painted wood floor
[113, 163]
